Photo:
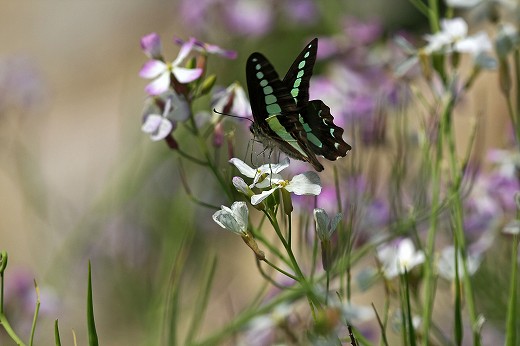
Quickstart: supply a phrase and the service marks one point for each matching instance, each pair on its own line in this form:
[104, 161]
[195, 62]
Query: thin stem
[310, 294]
[36, 311]
[278, 269]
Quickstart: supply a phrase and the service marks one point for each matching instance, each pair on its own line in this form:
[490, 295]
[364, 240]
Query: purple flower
[21, 86]
[301, 11]
[161, 71]
[151, 46]
[249, 18]
[208, 48]
[363, 32]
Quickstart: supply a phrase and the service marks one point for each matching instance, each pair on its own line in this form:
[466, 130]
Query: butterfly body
[283, 115]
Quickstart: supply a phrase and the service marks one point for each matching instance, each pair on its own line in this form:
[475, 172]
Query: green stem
[457, 215]
[301, 277]
[3, 319]
[36, 311]
[278, 269]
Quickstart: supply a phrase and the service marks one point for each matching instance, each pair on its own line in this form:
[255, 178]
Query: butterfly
[283, 115]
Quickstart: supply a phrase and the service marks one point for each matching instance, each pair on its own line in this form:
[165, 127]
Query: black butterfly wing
[323, 136]
[298, 77]
[275, 112]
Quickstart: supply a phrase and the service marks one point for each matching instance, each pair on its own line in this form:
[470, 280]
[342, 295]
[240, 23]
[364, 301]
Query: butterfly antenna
[231, 115]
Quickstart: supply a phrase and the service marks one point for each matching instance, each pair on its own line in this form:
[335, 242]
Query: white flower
[325, 227]
[161, 71]
[463, 3]
[258, 173]
[158, 126]
[232, 100]
[307, 183]
[446, 264]
[454, 37]
[399, 257]
[234, 219]
[474, 44]
[513, 227]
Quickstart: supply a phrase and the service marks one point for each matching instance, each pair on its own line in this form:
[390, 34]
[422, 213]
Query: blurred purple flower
[246, 17]
[20, 297]
[301, 11]
[207, 48]
[249, 17]
[21, 85]
[151, 46]
[363, 32]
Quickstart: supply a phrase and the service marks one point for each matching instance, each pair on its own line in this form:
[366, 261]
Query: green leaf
[512, 322]
[91, 325]
[57, 333]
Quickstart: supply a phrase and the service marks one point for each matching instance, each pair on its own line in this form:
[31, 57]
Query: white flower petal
[270, 180]
[164, 129]
[474, 44]
[183, 53]
[226, 220]
[152, 69]
[243, 167]
[274, 168]
[241, 214]
[307, 183]
[241, 186]
[322, 223]
[462, 3]
[152, 123]
[186, 75]
[455, 28]
[159, 85]
[256, 199]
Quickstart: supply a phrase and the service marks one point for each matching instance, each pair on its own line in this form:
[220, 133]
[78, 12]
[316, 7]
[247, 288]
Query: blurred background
[78, 179]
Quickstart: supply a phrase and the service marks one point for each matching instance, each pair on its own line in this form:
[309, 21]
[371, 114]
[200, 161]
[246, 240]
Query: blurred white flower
[399, 257]
[325, 226]
[454, 37]
[446, 263]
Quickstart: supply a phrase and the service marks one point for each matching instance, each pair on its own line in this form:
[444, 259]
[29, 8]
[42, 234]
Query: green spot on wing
[259, 75]
[263, 82]
[301, 64]
[268, 90]
[307, 54]
[299, 75]
[297, 82]
[294, 92]
[314, 140]
[269, 99]
[258, 66]
[273, 109]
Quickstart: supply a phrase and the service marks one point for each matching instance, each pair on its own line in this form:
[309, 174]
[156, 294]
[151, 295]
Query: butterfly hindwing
[323, 136]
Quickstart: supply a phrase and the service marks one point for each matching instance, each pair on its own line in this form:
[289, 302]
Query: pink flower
[161, 71]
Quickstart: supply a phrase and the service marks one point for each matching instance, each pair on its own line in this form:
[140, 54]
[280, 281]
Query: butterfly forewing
[298, 77]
